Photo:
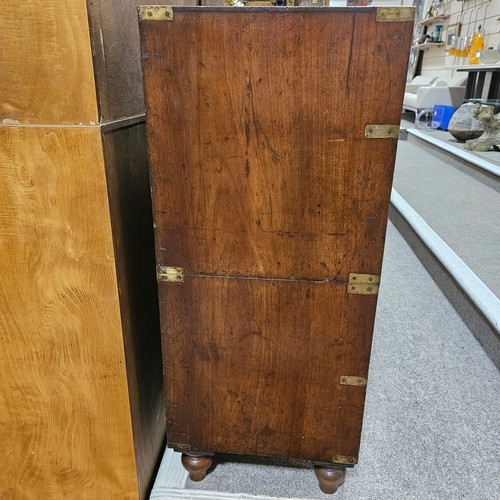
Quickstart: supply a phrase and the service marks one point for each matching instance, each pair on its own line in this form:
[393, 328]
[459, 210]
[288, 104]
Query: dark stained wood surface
[253, 366]
[116, 56]
[127, 179]
[251, 105]
[267, 193]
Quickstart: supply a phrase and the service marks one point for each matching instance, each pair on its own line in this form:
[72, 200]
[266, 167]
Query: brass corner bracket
[363, 284]
[394, 14]
[344, 460]
[156, 13]
[170, 274]
[382, 132]
[350, 380]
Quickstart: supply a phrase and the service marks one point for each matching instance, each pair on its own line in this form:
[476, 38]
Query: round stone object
[463, 126]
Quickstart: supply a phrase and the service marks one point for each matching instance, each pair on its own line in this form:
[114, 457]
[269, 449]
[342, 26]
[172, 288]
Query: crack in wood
[266, 278]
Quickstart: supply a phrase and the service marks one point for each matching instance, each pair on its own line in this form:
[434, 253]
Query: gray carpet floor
[431, 425]
[462, 210]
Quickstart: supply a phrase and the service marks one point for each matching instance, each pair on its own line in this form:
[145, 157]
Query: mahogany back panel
[268, 194]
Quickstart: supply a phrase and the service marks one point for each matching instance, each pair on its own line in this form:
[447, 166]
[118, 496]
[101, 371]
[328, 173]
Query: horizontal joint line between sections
[265, 278]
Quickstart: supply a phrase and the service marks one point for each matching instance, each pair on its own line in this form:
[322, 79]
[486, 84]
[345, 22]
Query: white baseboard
[484, 299]
[464, 155]
[171, 481]
[171, 494]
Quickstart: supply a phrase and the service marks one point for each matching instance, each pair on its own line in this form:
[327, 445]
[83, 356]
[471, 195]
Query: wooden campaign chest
[272, 138]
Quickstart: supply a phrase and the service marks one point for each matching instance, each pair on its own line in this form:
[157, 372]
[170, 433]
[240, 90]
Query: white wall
[376, 3]
[473, 15]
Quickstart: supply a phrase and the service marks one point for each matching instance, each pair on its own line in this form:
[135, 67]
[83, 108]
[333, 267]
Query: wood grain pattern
[253, 366]
[65, 423]
[115, 40]
[46, 63]
[290, 120]
[131, 219]
[268, 194]
[78, 413]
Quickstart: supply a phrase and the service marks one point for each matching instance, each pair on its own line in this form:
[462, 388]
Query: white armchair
[419, 81]
[445, 91]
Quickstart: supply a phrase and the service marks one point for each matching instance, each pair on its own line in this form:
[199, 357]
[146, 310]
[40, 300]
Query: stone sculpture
[491, 135]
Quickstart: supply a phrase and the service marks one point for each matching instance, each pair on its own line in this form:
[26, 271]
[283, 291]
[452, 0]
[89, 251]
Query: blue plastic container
[441, 117]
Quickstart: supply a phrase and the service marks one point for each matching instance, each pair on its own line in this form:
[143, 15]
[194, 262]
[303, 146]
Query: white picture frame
[453, 30]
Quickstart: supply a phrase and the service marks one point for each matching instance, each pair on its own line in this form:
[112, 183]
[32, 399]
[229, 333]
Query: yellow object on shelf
[476, 45]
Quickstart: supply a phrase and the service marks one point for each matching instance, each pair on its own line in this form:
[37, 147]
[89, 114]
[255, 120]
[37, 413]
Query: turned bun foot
[330, 478]
[196, 465]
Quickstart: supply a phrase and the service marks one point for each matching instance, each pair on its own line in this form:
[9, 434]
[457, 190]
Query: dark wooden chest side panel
[254, 366]
[267, 193]
[116, 56]
[245, 106]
